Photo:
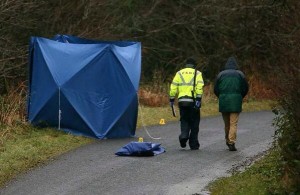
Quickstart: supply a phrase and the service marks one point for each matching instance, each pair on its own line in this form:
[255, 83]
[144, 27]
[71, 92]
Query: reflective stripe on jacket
[182, 85]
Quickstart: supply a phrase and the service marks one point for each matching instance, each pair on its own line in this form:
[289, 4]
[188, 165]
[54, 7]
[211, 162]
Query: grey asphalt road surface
[95, 169]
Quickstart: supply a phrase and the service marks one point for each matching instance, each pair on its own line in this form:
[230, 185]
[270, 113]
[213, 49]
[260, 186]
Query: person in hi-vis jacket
[189, 102]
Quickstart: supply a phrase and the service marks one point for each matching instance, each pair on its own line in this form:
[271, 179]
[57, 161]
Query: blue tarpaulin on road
[85, 87]
[140, 149]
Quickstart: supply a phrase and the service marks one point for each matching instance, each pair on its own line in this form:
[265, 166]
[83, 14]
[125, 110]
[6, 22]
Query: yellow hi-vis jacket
[183, 85]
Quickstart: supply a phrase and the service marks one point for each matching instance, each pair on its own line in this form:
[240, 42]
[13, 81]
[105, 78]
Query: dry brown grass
[259, 89]
[152, 99]
[12, 105]
[157, 95]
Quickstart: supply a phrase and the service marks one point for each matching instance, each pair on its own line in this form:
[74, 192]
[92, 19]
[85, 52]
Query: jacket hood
[231, 64]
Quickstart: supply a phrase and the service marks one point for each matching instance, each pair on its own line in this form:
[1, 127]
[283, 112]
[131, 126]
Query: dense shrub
[288, 134]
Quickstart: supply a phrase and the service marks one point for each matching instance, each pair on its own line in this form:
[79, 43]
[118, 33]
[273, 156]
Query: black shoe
[195, 146]
[183, 144]
[232, 147]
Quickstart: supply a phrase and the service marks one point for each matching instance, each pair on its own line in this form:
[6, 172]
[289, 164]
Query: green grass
[33, 147]
[261, 178]
[23, 147]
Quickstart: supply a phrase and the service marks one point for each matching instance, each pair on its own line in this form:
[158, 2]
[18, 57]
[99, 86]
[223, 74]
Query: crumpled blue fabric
[140, 149]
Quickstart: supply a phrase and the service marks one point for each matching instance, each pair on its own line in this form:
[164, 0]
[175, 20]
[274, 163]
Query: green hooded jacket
[231, 87]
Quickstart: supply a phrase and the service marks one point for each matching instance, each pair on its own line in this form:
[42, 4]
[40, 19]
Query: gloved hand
[198, 103]
[172, 102]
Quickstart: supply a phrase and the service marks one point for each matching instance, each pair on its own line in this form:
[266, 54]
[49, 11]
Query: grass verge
[261, 178]
[25, 147]
[28, 147]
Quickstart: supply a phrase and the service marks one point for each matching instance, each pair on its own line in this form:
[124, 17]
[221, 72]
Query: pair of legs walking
[230, 121]
[189, 124]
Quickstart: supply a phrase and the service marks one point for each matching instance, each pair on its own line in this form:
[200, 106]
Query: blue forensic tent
[83, 86]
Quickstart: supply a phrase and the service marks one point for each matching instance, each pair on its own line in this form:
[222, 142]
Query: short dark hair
[191, 60]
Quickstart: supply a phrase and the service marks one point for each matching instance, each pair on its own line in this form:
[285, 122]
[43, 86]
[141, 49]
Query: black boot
[183, 142]
[232, 147]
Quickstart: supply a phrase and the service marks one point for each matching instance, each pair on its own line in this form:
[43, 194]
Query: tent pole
[59, 110]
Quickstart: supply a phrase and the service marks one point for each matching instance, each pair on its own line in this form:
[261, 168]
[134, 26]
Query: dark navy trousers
[189, 124]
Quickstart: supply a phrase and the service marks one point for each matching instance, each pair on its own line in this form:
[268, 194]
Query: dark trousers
[189, 123]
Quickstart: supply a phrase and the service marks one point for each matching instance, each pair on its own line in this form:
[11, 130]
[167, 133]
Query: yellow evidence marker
[162, 121]
[141, 139]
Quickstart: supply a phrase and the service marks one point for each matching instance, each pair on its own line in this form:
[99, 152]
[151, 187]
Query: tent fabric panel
[65, 60]
[30, 64]
[100, 100]
[42, 84]
[100, 114]
[78, 40]
[126, 124]
[71, 119]
[130, 58]
[49, 116]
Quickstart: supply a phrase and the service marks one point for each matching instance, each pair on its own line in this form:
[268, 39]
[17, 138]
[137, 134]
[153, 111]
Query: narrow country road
[95, 169]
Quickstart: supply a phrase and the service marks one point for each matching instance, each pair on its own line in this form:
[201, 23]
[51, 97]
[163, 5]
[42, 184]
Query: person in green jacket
[188, 85]
[231, 87]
